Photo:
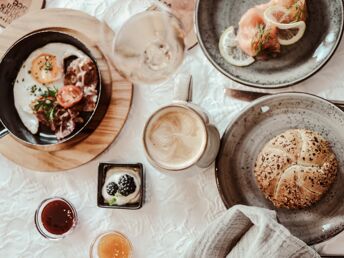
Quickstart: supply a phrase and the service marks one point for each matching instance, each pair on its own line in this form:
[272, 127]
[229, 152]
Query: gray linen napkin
[244, 231]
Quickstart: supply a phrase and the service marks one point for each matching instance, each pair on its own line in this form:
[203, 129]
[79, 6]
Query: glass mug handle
[182, 92]
[183, 95]
[212, 148]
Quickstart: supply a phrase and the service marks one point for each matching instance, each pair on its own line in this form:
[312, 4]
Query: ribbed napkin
[244, 231]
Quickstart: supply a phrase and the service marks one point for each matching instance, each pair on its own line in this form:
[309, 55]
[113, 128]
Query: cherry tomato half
[69, 95]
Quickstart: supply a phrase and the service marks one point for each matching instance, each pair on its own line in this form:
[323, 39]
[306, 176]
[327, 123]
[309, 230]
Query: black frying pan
[9, 67]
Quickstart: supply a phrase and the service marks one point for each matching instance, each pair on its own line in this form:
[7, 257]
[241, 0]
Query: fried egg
[41, 70]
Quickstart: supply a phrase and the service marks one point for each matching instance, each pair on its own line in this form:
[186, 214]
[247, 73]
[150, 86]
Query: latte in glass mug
[175, 137]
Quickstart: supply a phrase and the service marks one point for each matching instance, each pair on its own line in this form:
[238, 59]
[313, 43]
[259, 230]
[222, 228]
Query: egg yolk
[45, 69]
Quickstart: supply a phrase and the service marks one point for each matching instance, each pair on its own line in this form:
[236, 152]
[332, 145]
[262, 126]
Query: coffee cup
[179, 137]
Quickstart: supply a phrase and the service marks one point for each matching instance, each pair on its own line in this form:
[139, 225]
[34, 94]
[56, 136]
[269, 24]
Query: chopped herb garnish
[48, 66]
[113, 201]
[51, 92]
[47, 107]
[299, 11]
[33, 88]
[262, 38]
[46, 103]
[51, 114]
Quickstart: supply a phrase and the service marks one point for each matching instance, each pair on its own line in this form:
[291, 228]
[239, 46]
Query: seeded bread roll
[295, 169]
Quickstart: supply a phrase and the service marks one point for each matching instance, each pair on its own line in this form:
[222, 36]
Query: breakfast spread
[296, 168]
[54, 86]
[262, 31]
[122, 186]
[58, 83]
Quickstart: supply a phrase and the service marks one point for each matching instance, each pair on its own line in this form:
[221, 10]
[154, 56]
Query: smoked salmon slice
[257, 38]
[297, 9]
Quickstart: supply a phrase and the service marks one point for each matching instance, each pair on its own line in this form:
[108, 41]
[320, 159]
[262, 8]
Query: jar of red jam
[55, 218]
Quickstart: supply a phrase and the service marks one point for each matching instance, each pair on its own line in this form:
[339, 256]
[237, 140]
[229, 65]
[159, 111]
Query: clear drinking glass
[149, 47]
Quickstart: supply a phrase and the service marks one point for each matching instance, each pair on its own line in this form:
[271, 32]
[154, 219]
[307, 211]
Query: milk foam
[175, 137]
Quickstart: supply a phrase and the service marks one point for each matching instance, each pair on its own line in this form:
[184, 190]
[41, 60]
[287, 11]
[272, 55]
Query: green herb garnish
[47, 104]
[112, 201]
[33, 88]
[51, 114]
[299, 11]
[48, 107]
[262, 38]
[48, 66]
[51, 92]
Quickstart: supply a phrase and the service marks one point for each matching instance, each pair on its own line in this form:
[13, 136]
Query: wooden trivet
[85, 28]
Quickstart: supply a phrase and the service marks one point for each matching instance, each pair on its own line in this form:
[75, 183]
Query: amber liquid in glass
[114, 245]
[57, 217]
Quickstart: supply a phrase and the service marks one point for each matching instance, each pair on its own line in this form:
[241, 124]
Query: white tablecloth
[176, 208]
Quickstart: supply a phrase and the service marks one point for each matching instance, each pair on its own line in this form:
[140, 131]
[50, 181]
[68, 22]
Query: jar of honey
[111, 245]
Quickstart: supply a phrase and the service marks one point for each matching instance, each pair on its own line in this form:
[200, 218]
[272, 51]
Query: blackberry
[126, 185]
[112, 188]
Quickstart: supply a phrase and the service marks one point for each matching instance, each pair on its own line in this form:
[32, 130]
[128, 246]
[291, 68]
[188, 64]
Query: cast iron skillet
[11, 123]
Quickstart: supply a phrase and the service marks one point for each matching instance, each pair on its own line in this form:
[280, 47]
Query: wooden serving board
[88, 30]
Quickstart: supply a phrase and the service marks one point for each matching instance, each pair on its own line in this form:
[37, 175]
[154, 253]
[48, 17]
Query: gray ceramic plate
[255, 126]
[295, 63]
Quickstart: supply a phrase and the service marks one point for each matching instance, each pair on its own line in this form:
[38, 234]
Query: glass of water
[149, 47]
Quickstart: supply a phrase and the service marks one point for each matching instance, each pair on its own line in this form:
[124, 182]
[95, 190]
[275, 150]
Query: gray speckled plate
[255, 126]
[295, 63]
